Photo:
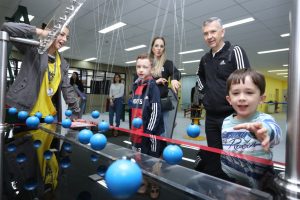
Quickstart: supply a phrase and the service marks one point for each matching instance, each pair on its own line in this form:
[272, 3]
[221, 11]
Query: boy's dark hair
[145, 56]
[240, 74]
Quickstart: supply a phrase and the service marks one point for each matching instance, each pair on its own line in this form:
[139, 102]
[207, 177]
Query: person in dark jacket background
[214, 69]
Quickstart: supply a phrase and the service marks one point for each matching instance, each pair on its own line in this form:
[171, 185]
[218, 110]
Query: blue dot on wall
[21, 157]
[11, 147]
[98, 141]
[38, 114]
[49, 119]
[12, 111]
[84, 136]
[66, 123]
[68, 113]
[137, 122]
[120, 173]
[65, 163]
[95, 114]
[101, 170]
[67, 147]
[172, 154]
[94, 157]
[30, 184]
[193, 130]
[32, 122]
[37, 143]
[22, 115]
[103, 126]
[48, 154]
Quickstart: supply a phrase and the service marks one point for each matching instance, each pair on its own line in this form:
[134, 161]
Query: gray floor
[182, 123]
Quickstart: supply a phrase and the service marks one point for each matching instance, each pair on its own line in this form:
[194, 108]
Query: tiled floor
[182, 123]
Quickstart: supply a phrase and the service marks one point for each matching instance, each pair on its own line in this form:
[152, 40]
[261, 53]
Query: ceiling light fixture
[30, 17]
[112, 27]
[278, 70]
[135, 47]
[183, 73]
[285, 35]
[190, 61]
[191, 51]
[181, 69]
[128, 62]
[285, 65]
[90, 59]
[283, 73]
[273, 51]
[239, 22]
[64, 48]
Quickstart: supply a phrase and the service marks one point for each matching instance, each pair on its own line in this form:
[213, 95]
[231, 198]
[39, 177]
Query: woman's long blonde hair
[158, 63]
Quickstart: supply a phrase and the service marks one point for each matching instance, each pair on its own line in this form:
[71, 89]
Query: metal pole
[289, 182]
[24, 41]
[3, 59]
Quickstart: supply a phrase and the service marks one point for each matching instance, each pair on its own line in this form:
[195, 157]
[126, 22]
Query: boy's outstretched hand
[260, 132]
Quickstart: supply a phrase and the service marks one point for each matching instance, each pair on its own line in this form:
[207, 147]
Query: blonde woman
[163, 70]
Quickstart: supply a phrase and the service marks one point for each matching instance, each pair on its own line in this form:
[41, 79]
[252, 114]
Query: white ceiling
[179, 21]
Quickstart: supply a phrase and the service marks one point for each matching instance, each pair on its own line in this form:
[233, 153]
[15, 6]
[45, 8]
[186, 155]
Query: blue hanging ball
[66, 123]
[95, 114]
[65, 163]
[123, 173]
[94, 158]
[21, 158]
[98, 141]
[22, 115]
[48, 154]
[49, 119]
[37, 143]
[103, 126]
[137, 122]
[30, 184]
[12, 111]
[84, 136]
[11, 147]
[193, 130]
[68, 113]
[38, 114]
[172, 154]
[32, 122]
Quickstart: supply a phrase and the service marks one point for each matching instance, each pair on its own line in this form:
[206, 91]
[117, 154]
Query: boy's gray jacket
[24, 91]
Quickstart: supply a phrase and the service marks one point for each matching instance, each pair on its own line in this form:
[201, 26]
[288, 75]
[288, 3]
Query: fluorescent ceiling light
[90, 59]
[112, 27]
[191, 51]
[239, 22]
[190, 61]
[285, 35]
[183, 73]
[283, 73]
[181, 69]
[136, 47]
[278, 70]
[273, 51]
[30, 17]
[128, 62]
[64, 48]
[285, 65]
[285, 76]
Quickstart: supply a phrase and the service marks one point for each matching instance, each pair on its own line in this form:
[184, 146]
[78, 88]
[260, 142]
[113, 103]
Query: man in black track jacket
[214, 69]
